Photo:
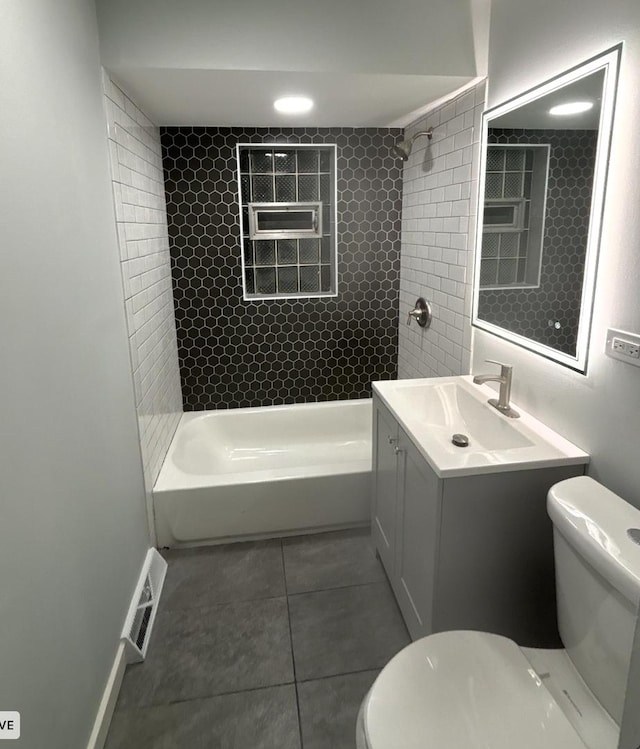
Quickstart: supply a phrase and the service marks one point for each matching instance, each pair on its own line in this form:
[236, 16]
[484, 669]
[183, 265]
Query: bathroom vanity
[463, 532]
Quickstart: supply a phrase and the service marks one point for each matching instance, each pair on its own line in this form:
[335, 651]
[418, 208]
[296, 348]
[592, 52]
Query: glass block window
[284, 258]
[513, 217]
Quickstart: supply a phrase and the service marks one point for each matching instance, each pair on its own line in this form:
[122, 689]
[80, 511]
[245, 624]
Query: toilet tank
[598, 584]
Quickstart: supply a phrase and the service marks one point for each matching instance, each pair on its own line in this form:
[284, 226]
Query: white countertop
[431, 410]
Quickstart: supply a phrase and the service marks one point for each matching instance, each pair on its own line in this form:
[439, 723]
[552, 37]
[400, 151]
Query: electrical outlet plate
[623, 345]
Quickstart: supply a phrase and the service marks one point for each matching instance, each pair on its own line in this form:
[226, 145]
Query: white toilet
[474, 690]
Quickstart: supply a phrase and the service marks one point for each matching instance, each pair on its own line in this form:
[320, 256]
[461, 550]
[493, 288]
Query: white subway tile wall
[141, 215]
[439, 206]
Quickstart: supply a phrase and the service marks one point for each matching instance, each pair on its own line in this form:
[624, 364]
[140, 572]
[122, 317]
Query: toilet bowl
[476, 690]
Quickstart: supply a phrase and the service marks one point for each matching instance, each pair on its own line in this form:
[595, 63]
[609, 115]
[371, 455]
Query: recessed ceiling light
[293, 104]
[572, 107]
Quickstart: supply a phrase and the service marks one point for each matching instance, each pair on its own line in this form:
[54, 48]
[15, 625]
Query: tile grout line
[225, 603]
[201, 697]
[338, 587]
[214, 696]
[293, 660]
[342, 673]
[270, 598]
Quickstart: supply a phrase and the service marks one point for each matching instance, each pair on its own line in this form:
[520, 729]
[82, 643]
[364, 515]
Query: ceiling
[229, 98]
[365, 63]
[535, 115]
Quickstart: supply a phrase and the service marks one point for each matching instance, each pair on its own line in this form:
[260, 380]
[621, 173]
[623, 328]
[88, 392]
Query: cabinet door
[416, 554]
[383, 521]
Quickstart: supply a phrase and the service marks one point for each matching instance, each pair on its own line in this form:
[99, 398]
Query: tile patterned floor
[262, 645]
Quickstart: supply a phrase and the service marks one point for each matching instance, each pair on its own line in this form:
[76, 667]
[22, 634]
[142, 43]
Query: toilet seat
[462, 690]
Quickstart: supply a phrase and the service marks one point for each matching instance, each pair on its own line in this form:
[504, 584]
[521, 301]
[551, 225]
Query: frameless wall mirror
[542, 186]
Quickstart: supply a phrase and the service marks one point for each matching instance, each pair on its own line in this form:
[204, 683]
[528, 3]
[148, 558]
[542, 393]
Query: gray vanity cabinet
[404, 518]
[471, 552]
[418, 510]
[385, 479]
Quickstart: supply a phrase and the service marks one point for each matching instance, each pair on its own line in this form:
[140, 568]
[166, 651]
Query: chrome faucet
[504, 378]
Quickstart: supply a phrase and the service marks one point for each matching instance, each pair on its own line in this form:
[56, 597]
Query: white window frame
[334, 215]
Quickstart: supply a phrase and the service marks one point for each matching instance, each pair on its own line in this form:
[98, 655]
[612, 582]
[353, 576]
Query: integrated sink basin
[450, 408]
[432, 410]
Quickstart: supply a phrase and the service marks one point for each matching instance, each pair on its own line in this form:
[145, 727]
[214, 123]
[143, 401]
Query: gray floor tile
[330, 560]
[261, 719]
[209, 651]
[222, 574]
[329, 708]
[344, 630]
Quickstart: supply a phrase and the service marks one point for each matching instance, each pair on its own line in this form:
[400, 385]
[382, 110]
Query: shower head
[403, 149]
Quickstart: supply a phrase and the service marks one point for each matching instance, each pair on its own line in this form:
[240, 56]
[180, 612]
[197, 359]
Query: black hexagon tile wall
[552, 308]
[236, 353]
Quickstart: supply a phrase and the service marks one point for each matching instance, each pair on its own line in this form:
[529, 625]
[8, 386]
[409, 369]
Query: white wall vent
[144, 605]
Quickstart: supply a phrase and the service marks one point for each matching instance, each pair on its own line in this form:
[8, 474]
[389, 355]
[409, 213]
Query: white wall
[73, 530]
[141, 213]
[529, 43]
[439, 203]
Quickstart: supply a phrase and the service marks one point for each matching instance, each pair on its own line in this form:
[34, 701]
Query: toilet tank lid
[595, 521]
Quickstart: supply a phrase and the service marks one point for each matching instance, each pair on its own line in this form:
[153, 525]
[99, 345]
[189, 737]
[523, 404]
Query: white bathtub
[259, 472]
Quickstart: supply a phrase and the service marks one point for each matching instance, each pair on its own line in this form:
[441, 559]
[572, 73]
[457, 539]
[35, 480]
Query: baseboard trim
[108, 701]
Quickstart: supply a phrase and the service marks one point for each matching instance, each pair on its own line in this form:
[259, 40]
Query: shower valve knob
[421, 314]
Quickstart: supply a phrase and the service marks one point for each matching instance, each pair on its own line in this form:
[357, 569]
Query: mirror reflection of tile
[526, 307]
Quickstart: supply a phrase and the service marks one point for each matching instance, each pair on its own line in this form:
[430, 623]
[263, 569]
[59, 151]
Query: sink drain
[634, 535]
[461, 440]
